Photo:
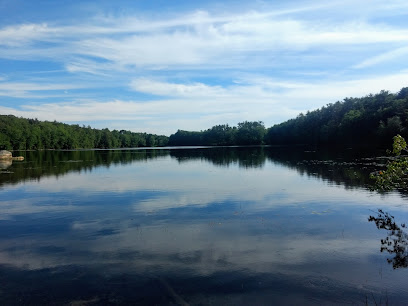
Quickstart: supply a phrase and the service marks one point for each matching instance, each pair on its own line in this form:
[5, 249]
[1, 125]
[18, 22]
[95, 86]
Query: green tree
[395, 176]
[28, 134]
[250, 133]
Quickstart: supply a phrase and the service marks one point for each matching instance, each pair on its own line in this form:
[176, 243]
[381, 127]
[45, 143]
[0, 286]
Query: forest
[372, 120]
[246, 133]
[32, 134]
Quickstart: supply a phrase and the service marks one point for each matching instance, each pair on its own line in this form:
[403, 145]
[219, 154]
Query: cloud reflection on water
[197, 222]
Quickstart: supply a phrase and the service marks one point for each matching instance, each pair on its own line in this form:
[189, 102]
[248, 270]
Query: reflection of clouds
[29, 206]
[202, 183]
[202, 247]
[195, 217]
[211, 238]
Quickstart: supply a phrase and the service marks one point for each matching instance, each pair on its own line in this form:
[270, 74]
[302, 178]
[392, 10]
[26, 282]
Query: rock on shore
[6, 155]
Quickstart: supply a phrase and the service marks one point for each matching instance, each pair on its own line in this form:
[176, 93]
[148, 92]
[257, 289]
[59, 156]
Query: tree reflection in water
[397, 240]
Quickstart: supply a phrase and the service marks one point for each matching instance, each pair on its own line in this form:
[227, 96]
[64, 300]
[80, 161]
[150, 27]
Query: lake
[200, 226]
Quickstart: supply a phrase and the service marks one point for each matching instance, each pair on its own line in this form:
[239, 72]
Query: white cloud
[227, 44]
[30, 90]
[176, 90]
[199, 106]
[318, 94]
[198, 38]
[16, 86]
[384, 57]
[88, 66]
[20, 35]
[296, 59]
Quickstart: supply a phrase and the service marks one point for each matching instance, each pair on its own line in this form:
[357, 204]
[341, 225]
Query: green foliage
[371, 120]
[186, 138]
[247, 133]
[31, 134]
[220, 135]
[395, 176]
[399, 145]
[250, 133]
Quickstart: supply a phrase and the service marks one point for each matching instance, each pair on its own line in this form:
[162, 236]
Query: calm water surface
[202, 226]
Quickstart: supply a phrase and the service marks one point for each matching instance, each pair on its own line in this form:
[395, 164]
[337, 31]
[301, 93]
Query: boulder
[5, 163]
[5, 154]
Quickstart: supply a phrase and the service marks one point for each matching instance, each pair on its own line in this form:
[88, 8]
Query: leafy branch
[395, 176]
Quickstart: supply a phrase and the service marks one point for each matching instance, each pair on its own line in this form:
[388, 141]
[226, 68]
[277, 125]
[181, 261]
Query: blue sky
[159, 66]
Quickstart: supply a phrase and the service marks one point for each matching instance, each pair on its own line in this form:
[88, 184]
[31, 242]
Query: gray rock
[5, 154]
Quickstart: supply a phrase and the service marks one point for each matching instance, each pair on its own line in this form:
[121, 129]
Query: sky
[159, 66]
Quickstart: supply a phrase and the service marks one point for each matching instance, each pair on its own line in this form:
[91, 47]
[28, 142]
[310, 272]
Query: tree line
[373, 120]
[32, 134]
[246, 133]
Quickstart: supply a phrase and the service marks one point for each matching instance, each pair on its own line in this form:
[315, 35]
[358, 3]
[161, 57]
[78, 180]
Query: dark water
[208, 226]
